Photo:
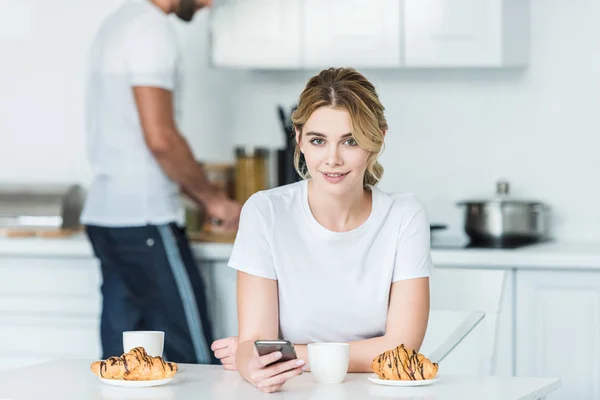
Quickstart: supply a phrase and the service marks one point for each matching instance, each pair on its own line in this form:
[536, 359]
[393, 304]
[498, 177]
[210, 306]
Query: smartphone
[264, 347]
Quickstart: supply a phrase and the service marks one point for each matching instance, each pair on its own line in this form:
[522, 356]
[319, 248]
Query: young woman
[331, 258]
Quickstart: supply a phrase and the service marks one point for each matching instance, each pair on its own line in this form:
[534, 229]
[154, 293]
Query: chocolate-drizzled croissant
[136, 365]
[402, 363]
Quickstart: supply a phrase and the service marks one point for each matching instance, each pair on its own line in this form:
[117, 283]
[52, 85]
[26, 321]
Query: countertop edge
[558, 255]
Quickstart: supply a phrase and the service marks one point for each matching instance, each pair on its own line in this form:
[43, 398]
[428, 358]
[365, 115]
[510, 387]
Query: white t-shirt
[333, 286]
[135, 46]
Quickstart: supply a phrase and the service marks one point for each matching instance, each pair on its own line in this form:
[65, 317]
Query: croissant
[136, 365]
[402, 363]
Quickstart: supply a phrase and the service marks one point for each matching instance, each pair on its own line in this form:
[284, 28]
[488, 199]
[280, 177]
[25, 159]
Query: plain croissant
[402, 363]
[136, 365]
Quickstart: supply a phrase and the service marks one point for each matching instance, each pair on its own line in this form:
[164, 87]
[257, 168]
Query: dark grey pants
[151, 282]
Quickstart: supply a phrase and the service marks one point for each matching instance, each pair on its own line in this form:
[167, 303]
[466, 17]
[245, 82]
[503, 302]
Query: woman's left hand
[225, 350]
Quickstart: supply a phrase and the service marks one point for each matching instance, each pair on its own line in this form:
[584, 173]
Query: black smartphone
[264, 347]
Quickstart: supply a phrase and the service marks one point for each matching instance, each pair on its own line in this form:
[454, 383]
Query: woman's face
[334, 160]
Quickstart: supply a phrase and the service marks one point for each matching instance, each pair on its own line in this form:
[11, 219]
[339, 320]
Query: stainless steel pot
[503, 219]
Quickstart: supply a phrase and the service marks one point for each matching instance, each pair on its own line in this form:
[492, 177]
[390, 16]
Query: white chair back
[461, 334]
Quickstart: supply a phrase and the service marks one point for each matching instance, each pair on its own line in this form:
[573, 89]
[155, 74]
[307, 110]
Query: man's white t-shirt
[333, 286]
[135, 46]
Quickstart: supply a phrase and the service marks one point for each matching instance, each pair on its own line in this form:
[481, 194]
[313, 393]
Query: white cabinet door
[558, 330]
[49, 308]
[220, 283]
[353, 33]
[257, 34]
[453, 32]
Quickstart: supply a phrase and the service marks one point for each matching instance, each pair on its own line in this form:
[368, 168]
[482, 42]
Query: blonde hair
[346, 89]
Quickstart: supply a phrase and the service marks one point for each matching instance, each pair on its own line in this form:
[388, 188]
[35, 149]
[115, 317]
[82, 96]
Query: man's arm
[171, 150]
[407, 319]
[155, 107]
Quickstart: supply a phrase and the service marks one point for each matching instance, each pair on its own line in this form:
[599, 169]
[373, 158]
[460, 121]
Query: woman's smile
[334, 177]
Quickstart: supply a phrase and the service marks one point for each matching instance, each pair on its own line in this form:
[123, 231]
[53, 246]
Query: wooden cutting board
[40, 233]
[211, 237]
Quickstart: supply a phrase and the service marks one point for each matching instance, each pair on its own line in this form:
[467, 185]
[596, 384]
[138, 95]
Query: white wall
[43, 48]
[453, 133]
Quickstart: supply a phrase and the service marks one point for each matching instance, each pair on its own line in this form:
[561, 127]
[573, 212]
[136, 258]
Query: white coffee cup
[329, 361]
[152, 341]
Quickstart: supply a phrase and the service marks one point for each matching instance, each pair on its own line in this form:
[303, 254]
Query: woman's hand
[225, 350]
[270, 377]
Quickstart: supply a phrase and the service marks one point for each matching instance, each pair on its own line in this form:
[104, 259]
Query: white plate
[375, 379]
[124, 383]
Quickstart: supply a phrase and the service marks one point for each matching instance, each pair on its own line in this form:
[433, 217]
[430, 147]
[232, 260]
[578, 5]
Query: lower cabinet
[31, 339]
[558, 329]
[220, 283]
[50, 307]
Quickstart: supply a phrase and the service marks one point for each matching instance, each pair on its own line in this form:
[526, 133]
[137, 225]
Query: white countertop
[78, 246]
[551, 255]
[73, 380]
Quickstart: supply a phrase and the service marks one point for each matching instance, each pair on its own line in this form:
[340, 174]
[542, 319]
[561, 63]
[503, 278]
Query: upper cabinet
[474, 33]
[261, 34]
[298, 34]
[354, 33]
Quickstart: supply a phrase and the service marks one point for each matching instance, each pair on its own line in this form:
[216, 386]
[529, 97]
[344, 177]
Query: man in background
[133, 214]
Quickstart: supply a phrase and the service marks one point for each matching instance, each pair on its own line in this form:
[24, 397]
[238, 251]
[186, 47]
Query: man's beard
[186, 10]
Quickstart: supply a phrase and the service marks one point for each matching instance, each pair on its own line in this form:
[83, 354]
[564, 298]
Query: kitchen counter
[77, 246]
[551, 255]
[73, 380]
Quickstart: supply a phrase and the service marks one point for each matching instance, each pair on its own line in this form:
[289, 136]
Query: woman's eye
[317, 141]
[351, 142]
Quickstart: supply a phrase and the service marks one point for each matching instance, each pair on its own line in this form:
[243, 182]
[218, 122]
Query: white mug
[152, 341]
[329, 361]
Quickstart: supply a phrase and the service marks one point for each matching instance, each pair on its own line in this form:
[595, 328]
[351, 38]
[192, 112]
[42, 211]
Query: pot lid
[502, 197]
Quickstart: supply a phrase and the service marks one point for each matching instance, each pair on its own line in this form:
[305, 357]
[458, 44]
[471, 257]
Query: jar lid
[251, 151]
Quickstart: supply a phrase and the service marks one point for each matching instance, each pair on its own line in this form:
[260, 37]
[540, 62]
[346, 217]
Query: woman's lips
[334, 177]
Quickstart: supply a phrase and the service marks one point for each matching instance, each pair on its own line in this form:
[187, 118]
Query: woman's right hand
[270, 377]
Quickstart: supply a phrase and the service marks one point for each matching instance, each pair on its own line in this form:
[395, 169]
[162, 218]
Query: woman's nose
[334, 156]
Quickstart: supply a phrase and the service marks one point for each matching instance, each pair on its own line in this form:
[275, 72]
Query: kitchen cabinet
[257, 34]
[220, 282]
[351, 33]
[50, 307]
[558, 330]
[472, 33]
[299, 34]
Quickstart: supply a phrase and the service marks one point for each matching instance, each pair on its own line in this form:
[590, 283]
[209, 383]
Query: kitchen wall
[43, 46]
[452, 133]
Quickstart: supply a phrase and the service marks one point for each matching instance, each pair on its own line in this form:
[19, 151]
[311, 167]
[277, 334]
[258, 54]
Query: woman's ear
[384, 132]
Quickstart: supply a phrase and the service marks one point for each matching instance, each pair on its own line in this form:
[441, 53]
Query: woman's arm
[258, 316]
[408, 314]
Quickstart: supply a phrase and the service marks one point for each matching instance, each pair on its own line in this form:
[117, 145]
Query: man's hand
[223, 213]
[225, 350]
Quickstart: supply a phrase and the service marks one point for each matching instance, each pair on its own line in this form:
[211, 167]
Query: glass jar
[251, 172]
[221, 175]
